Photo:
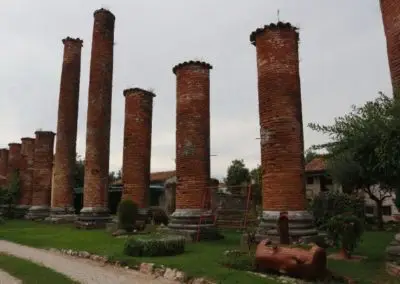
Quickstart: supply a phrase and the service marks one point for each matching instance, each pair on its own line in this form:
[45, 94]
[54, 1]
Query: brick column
[62, 206]
[95, 211]
[42, 175]
[391, 21]
[192, 146]
[25, 174]
[281, 128]
[14, 161]
[137, 146]
[3, 166]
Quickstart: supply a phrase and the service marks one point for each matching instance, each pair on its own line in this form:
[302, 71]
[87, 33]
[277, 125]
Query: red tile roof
[316, 164]
[161, 176]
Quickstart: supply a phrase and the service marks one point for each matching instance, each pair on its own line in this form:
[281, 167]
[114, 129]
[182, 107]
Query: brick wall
[391, 22]
[42, 168]
[26, 171]
[281, 126]
[3, 166]
[137, 145]
[99, 111]
[192, 133]
[14, 160]
[64, 161]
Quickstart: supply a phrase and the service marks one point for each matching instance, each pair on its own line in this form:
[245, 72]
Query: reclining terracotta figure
[294, 262]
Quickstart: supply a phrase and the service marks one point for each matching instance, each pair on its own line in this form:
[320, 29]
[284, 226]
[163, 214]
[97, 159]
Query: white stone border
[145, 268]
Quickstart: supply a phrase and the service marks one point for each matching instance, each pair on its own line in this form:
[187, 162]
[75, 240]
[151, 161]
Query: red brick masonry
[42, 168]
[391, 22]
[280, 117]
[192, 133]
[137, 145]
[64, 162]
[14, 160]
[99, 111]
[26, 172]
[3, 166]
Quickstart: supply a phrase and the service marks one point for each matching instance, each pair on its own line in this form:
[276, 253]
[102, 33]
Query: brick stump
[14, 161]
[137, 148]
[95, 212]
[390, 10]
[62, 207]
[42, 176]
[3, 166]
[281, 132]
[26, 175]
[193, 151]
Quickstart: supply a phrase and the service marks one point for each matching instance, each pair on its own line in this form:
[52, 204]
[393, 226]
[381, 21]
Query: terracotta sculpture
[295, 262]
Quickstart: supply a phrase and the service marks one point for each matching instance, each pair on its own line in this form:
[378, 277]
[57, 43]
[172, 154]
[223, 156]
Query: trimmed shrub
[332, 203]
[156, 245]
[127, 215]
[238, 260]
[345, 231]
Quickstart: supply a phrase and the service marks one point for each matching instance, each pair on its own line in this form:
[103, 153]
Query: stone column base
[301, 226]
[38, 212]
[59, 215]
[20, 211]
[93, 218]
[186, 222]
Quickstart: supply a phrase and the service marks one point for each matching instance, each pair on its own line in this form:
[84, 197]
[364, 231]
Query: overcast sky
[342, 52]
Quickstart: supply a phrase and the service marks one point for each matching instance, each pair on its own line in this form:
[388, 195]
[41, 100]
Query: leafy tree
[237, 174]
[364, 150]
[310, 155]
[10, 194]
[256, 178]
[79, 174]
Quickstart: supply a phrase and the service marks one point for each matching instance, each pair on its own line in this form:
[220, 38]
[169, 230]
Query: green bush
[127, 215]
[332, 203]
[155, 245]
[345, 230]
[238, 260]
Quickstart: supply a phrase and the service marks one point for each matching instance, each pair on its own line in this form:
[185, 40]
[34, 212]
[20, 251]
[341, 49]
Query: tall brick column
[137, 146]
[391, 21]
[26, 175]
[281, 130]
[3, 166]
[14, 161]
[95, 211]
[62, 207]
[42, 175]
[192, 148]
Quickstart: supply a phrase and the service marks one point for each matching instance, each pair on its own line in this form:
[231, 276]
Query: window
[369, 210]
[310, 180]
[387, 210]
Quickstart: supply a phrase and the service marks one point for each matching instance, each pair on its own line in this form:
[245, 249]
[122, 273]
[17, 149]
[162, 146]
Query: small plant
[127, 215]
[156, 245]
[238, 260]
[345, 230]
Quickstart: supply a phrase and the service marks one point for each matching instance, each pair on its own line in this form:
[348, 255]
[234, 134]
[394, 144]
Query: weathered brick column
[3, 166]
[62, 208]
[42, 175]
[26, 175]
[281, 130]
[192, 148]
[95, 211]
[14, 161]
[391, 21]
[137, 146]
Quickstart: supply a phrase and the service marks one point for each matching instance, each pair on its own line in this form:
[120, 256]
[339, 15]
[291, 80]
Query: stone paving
[81, 270]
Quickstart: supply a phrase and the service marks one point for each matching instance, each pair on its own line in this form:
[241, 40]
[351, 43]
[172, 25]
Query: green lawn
[200, 259]
[31, 273]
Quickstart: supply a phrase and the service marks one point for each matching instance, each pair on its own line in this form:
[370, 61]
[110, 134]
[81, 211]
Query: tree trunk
[379, 214]
[344, 254]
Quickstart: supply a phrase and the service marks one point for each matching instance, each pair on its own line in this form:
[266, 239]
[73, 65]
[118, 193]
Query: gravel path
[81, 270]
[6, 278]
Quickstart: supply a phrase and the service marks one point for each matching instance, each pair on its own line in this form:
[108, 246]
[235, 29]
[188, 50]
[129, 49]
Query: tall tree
[309, 155]
[79, 174]
[364, 151]
[237, 173]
